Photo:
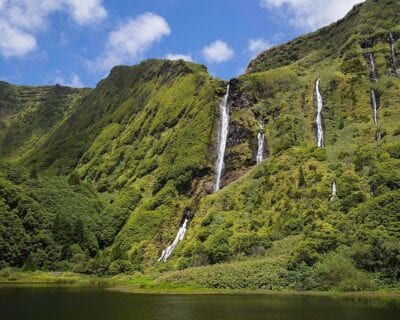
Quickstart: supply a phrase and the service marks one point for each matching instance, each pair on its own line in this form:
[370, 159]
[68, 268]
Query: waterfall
[378, 136]
[334, 191]
[179, 237]
[375, 113]
[394, 58]
[374, 77]
[371, 60]
[222, 138]
[260, 150]
[374, 107]
[320, 105]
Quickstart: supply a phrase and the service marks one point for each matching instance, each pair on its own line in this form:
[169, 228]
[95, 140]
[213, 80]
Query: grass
[149, 285]
[28, 278]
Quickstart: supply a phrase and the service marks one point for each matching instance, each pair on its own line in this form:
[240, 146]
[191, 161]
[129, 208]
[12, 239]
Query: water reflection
[87, 304]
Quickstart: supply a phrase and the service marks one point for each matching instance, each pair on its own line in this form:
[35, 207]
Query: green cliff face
[29, 114]
[100, 183]
[141, 143]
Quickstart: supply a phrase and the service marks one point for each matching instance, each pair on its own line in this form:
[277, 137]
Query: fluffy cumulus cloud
[131, 40]
[14, 41]
[255, 46]
[172, 56]
[218, 52]
[87, 11]
[311, 14]
[21, 20]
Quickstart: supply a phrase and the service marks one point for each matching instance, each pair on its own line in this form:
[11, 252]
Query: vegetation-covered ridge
[104, 189]
[29, 114]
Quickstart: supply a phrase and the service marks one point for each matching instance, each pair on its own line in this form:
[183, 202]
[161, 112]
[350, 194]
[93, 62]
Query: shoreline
[134, 289]
[187, 291]
[141, 284]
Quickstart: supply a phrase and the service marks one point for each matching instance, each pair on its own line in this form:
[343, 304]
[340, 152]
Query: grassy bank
[152, 285]
[10, 276]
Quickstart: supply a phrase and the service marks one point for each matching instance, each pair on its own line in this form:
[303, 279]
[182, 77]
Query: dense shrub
[336, 271]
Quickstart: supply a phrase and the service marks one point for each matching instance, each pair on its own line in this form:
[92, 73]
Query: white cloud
[218, 52]
[25, 18]
[74, 82]
[255, 46]
[172, 56]
[14, 41]
[87, 11]
[312, 14]
[131, 40]
[29, 15]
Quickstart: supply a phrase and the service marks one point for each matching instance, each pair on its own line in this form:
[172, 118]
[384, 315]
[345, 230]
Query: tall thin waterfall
[334, 191]
[394, 58]
[375, 113]
[222, 138]
[374, 74]
[320, 105]
[179, 237]
[261, 142]
[374, 106]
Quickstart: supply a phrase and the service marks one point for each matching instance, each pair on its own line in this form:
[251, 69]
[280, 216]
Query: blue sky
[76, 42]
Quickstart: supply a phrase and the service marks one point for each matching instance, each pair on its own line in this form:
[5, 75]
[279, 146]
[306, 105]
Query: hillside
[112, 173]
[29, 114]
[140, 144]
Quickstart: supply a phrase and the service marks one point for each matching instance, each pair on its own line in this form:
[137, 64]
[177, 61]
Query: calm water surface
[60, 303]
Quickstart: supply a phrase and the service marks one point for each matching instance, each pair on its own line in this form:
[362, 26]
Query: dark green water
[97, 304]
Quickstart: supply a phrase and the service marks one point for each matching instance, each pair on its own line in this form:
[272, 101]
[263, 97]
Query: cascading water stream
[374, 74]
[320, 105]
[334, 191]
[375, 113]
[394, 58]
[179, 237]
[374, 101]
[261, 142]
[222, 139]
[374, 106]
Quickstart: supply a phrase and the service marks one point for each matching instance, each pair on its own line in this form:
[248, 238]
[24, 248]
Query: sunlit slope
[30, 114]
[143, 138]
[290, 193]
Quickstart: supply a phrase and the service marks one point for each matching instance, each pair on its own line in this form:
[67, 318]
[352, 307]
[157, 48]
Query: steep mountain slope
[142, 138]
[141, 147]
[366, 24]
[29, 114]
[291, 193]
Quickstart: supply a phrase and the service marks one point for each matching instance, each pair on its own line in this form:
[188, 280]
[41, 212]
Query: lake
[62, 303]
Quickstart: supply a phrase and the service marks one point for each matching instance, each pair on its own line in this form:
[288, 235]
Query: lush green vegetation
[96, 181]
[29, 114]
[99, 192]
[47, 222]
[364, 25]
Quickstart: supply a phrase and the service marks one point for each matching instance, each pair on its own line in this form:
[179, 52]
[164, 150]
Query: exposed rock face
[239, 99]
[242, 138]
